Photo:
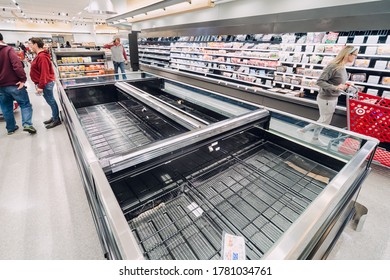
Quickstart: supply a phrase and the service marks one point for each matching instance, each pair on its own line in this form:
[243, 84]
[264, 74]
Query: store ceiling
[47, 10]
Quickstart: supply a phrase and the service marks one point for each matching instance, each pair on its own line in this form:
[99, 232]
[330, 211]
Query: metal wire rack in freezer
[119, 127]
[257, 194]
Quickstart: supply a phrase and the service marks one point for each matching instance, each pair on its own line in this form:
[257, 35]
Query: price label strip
[233, 247]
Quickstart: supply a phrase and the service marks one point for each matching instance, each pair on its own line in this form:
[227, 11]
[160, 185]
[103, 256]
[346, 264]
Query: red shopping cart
[369, 115]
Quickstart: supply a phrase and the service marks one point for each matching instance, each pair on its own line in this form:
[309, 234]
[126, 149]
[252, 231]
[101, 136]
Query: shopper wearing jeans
[331, 82]
[42, 74]
[119, 57]
[12, 80]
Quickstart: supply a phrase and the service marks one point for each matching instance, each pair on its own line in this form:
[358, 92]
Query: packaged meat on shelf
[79, 63]
[290, 60]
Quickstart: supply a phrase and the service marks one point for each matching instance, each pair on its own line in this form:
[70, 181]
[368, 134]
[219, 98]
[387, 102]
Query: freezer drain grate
[258, 197]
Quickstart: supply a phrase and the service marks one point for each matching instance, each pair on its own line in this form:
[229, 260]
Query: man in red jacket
[12, 80]
[42, 74]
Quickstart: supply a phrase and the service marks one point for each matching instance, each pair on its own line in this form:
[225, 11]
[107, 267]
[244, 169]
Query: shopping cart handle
[350, 95]
[352, 91]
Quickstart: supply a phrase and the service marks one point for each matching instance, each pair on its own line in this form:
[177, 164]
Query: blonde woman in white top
[332, 83]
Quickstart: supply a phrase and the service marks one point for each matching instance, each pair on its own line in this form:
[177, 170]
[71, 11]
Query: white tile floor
[44, 213]
[373, 241]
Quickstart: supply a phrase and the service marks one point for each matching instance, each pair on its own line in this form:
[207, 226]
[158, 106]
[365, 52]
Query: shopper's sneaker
[48, 121]
[13, 131]
[53, 124]
[30, 129]
[318, 142]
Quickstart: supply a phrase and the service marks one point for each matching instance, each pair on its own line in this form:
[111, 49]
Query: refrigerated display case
[169, 168]
[72, 63]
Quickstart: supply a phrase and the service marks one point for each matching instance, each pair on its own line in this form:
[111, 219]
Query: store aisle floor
[372, 241]
[44, 213]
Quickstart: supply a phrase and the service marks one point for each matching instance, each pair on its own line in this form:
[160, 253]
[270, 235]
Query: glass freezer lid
[120, 117]
[101, 79]
[179, 94]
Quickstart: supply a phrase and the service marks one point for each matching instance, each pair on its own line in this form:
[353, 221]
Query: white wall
[22, 31]
[13, 37]
[99, 39]
[103, 39]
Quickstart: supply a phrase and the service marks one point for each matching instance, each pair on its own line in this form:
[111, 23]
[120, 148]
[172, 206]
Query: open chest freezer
[169, 168]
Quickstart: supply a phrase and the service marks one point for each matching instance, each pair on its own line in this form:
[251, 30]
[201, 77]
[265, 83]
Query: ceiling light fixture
[149, 8]
[100, 7]
[217, 2]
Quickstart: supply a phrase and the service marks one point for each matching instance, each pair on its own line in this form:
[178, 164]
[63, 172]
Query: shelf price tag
[342, 40]
[311, 91]
[358, 39]
[291, 87]
[233, 247]
[282, 85]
